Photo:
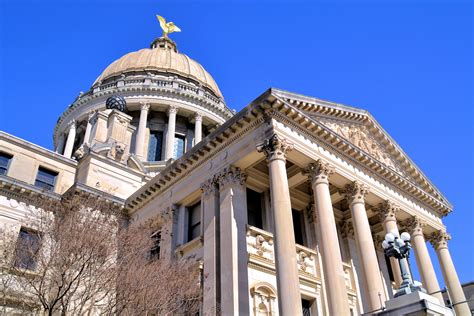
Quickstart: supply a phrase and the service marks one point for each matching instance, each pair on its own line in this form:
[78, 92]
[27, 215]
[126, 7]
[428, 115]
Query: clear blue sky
[409, 63]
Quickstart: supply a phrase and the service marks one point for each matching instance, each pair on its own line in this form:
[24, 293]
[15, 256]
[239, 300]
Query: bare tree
[79, 255]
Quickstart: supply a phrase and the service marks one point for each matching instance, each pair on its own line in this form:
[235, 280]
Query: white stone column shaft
[355, 195]
[334, 280]
[87, 134]
[172, 110]
[141, 132]
[423, 260]
[70, 140]
[211, 259]
[387, 212]
[197, 128]
[288, 284]
[233, 242]
[439, 240]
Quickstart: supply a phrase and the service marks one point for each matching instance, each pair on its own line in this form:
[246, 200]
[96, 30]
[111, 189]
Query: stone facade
[295, 193]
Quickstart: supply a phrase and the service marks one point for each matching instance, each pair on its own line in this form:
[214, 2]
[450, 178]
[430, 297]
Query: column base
[415, 303]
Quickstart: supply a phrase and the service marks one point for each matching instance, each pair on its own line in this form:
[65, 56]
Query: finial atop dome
[167, 27]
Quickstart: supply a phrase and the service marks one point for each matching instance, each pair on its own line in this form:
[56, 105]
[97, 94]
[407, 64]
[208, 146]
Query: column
[172, 110]
[439, 240]
[233, 242]
[334, 280]
[425, 267]
[210, 213]
[197, 128]
[355, 195]
[70, 140]
[87, 135]
[387, 213]
[288, 282]
[60, 145]
[140, 138]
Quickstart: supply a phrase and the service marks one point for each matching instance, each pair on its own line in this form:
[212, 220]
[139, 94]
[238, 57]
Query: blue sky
[407, 62]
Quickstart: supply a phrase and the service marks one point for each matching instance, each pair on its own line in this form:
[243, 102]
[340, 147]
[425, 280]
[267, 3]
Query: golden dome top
[161, 57]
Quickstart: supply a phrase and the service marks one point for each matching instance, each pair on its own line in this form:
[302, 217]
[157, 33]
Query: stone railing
[261, 250]
[349, 277]
[169, 84]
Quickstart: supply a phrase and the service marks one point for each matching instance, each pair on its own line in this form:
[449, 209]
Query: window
[45, 179]
[178, 149]
[4, 161]
[194, 228]
[306, 307]
[254, 208]
[27, 249]
[154, 146]
[156, 247]
[298, 226]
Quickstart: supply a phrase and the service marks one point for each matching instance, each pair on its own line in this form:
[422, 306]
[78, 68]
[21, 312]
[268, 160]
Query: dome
[162, 58]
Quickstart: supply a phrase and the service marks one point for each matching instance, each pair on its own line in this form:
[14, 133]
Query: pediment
[360, 136]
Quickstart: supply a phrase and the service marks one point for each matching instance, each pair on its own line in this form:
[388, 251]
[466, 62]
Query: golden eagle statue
[167, 27]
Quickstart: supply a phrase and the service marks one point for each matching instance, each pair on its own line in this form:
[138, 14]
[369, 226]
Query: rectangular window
[298, 227]
[306, 307]
[156, 247]
[45, 179]
[254, 208]
[4, 162]
[178, 149]
[194, 226]
[154, 146]
[27, 249]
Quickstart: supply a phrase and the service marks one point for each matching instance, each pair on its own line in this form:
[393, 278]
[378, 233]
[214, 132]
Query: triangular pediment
[360, 136]
[362, 131]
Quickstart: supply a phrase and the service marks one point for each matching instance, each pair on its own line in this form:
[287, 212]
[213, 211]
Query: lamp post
[399, 247]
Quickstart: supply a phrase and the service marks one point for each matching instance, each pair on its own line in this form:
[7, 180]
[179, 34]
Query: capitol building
[286, 202]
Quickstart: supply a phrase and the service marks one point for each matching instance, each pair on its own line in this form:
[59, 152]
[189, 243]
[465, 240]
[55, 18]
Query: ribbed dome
[163, 59]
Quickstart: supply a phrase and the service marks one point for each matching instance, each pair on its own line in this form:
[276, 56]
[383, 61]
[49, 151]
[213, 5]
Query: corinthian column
[70, 140]
[387, 213]
[334, 280]
[289, 298]
[140, 139]
[87, 135]
[233, 242]
[60, 145]
[210, 214]
[439, 240]
[197, 128]
[172, 110]
[428, 276]
[355, 195]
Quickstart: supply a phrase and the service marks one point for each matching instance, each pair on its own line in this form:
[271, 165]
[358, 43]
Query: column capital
[387, 211]
[319, 172]
[172, 110]
[209, 186]
[275, 148]
[198, 117]
[439, 239]
[71, 124]
[355, 192]
[347, 229]
[144, 106]
[414, 226]
[231, 175]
